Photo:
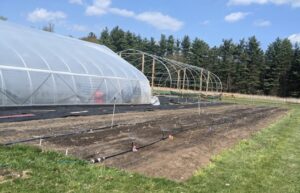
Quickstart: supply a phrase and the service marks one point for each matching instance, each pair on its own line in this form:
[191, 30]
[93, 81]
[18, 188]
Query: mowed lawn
[268, 162]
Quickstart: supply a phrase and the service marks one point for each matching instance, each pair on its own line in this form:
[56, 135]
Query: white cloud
[293, 3]
[236, 16]
[122, 12]
[160, 21]
[262, 23]
[40, 14]
[79, 2]
[156, 19]
[294, 38]
[99, 7]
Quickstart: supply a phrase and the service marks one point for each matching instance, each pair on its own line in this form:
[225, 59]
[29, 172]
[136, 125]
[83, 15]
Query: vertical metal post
[178, 79]
[143, 63]
[201, 75]
[153, 73]
[207, 81]
[184, 76]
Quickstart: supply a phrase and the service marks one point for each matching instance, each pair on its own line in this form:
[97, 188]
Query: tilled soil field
[171, 143]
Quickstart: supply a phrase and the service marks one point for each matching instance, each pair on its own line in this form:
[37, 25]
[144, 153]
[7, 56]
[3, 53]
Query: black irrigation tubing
[101, 128]
[106, 127]
[179, 130]
[128, 151]
[194, 141]
[58, 135]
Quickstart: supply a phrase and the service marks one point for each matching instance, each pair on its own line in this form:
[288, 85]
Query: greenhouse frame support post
[143, 63]
[184, 77]
[207, 81]
[178, 79]
[153, 73]
[201, 79]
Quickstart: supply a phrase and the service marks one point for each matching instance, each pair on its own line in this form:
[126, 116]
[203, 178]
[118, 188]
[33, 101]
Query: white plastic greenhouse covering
[42, 68]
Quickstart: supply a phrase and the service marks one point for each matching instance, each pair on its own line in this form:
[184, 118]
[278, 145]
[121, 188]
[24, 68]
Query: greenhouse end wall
[42, 68]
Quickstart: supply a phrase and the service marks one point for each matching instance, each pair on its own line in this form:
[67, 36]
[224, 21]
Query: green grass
[268, 162]
[52, 172]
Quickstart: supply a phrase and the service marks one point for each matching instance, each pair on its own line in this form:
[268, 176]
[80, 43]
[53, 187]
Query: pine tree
[255, 63]
[152, 47]
[162, 45]
[170, 45]
[294, 74]
[139, 43]
[118, 40]
[286, 57]
[227, 65]
[214, 59]
[240, 83]
[278, 62]
[186, 47]
[200, 51]
[105, 38]
[130, 40]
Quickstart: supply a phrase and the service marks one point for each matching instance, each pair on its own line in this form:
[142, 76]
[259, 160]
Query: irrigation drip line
[61, 135]
[88, 130]
[65, 134]
[128, 151]
[177, 131]
[141, 147]
[213, 131]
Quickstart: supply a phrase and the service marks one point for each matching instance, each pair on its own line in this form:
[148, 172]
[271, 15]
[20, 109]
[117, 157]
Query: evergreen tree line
[243, 67]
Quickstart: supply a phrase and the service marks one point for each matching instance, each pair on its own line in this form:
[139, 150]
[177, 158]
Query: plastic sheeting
[42, 68]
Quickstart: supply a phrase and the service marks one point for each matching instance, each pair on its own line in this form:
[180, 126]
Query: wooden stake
[184, 76]
[153, 72]
[201, 80]
[178, 79]
[207, 81]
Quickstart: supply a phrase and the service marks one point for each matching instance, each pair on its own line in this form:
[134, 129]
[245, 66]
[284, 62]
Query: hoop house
[167, 73]
[42, 68]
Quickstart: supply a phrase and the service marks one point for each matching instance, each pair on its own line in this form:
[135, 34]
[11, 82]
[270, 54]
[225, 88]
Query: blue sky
[211, 21]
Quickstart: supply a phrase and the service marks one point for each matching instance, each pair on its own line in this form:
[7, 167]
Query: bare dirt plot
[10, 131]
[197, 137]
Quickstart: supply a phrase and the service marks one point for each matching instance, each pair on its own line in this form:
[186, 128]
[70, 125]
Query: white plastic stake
[67, 151]
[41, 140]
